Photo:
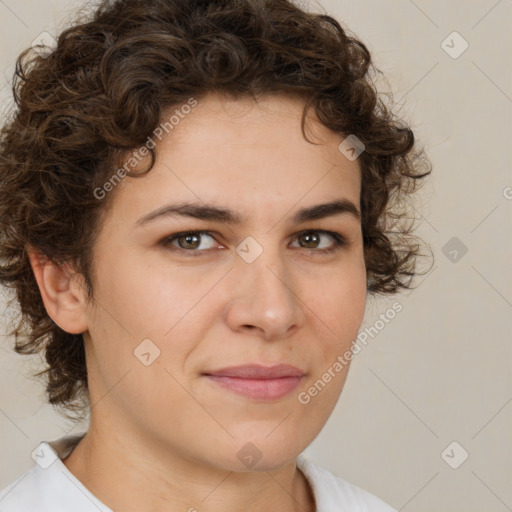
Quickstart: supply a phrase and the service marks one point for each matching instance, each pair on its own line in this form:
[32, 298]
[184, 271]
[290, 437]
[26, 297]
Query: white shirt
[50, 487]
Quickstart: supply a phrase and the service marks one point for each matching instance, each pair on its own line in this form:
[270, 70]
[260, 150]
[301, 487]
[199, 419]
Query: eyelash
[339, 241]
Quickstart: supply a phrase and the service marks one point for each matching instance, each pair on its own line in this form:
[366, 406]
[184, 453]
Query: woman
[197, 197]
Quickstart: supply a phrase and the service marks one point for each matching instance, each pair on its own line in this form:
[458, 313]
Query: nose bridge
[264, 295]
[267, 274]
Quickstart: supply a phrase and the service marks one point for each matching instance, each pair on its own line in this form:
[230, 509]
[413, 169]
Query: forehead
[272, 120]
[250, 156]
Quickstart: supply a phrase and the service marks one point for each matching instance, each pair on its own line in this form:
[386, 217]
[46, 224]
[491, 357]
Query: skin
[163, 436]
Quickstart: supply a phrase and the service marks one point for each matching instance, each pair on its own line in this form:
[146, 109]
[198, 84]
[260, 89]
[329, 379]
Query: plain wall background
[440, 371]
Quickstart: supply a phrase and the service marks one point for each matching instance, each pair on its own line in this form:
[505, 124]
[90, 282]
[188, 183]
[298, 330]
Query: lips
[258, 382]
[256, 371]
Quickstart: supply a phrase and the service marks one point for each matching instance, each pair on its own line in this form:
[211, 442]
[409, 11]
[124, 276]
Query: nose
[264, 298]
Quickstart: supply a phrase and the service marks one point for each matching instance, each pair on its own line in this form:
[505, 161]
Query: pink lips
[258, 382]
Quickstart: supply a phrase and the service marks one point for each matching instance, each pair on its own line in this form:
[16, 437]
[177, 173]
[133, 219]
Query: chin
[268, 450]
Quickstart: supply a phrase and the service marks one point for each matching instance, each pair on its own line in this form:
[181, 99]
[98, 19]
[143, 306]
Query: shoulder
[333, 494]
[28, 492]
[48, 487]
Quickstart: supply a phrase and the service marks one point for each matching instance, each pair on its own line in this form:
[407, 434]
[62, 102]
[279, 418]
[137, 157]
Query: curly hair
[103, 90]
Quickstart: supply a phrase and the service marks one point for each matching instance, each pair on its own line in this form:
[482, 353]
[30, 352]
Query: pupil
[188, 238]
[310, 236]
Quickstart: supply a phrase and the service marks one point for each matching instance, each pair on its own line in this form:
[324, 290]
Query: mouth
[258, 382]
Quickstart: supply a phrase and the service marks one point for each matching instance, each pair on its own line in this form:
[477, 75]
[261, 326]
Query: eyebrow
[229, 216]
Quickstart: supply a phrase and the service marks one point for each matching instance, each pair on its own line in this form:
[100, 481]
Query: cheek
[137, 303]
[147, 300]
[336, 301]
[336, 314]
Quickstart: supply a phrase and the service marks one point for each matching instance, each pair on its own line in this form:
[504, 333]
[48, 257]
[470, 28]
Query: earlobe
[62, 293]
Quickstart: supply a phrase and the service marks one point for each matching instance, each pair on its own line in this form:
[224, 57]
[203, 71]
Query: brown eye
[191, 242]
[311, 240]
[188, 241]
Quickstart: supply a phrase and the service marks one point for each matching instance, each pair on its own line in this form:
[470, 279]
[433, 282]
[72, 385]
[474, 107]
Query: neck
[127, 473]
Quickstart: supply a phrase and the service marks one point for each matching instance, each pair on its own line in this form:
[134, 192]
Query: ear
[62, 291]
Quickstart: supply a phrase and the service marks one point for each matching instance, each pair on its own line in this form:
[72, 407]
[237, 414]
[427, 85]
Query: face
[273, 288]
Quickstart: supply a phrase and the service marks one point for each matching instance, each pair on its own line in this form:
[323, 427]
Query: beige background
[440, 371]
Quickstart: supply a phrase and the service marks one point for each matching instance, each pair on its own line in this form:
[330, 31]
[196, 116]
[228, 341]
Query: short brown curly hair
[102, 91]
